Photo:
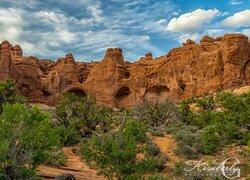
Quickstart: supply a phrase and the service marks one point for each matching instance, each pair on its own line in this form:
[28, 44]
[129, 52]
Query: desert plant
[115, 152]
[179, 168]
[56, 158]
[76, 117]
[189, 141]
[223, 120]
[212, 140]
[155, 114]
[26, 138]
[8, 93]
[152, 149]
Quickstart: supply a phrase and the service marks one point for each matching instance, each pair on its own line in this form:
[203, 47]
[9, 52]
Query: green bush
[26, 138]
[56, 158]
[161, 162]
[227, 125]
[115, 152]
[78, 117]
[189, 141]
[212, 140]
[155, 114]
[179, 168]
[152, 149]
[157, 131]
[157, 177]
[8, 94]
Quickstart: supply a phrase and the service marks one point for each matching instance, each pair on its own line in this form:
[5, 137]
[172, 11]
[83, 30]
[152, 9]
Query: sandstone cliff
[191, 70]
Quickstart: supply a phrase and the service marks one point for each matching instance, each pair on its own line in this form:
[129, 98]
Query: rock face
[188, 71]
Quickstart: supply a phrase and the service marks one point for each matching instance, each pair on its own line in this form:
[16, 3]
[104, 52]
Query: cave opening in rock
[158, 89]
[46, 93]
[183, 87]
[157, 92]
[78, 92]
[122, 93]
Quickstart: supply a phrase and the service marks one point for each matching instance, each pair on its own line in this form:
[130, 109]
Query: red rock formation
[148, 56]
[191, 70]
[207, 39]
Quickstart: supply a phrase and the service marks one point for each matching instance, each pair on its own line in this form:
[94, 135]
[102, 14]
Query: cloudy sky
[86, 28]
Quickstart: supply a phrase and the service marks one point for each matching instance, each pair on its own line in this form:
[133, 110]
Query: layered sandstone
[191, 70]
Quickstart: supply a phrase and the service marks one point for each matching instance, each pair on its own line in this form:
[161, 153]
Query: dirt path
[75, 166]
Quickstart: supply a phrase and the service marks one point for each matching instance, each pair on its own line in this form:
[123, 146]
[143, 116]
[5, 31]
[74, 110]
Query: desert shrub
[152, 149]
[68, 135]
[105, 117]
[155, 114]
[161, 161]
[79, 112]
[212, 140]
[135, 130]
[157, 131]
[115, 152]
[56, 158]
[189, 142]
[226, 125]
[179, 168]
[26, 138]
[207, 102]
[8, 94]
[157, 177]
[78, 117]
[247, 139]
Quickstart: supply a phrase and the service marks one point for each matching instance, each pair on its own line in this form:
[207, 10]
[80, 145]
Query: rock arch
[78, 90]
[121, 96]
[157, 92]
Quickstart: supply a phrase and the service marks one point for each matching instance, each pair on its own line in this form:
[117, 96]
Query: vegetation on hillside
[119, 143]
[26, 136]
[218, 120]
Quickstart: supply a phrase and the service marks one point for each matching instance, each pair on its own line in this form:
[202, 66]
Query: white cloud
[60, 23]
[225, 13]
[193, 21]
[240, 19]
[11, 24]
[162, 21]
[50, 33]
[144, 38]
[195, 37]
[235, 2]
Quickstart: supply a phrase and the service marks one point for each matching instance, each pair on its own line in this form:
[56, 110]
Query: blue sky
[86, 28]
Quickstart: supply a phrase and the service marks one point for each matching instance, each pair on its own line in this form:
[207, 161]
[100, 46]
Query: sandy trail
[75, 166]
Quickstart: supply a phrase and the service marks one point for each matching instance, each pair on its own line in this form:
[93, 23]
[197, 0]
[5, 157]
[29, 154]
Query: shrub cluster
[116, 152]
[220, 120]
[27, 136]
[114, 140]
[77, 117]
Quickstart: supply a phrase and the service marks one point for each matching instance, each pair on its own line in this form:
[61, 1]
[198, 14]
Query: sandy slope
[75, 166]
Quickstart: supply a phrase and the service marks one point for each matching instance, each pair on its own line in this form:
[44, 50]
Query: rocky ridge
[214, 64]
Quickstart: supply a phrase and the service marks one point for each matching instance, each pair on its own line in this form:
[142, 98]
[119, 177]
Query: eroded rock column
[235, 53]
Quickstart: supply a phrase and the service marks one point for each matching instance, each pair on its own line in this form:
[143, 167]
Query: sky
[86, 28]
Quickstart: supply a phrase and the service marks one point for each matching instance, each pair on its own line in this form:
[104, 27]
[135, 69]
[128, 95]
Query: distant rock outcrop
[207, 39]
[191, 70]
